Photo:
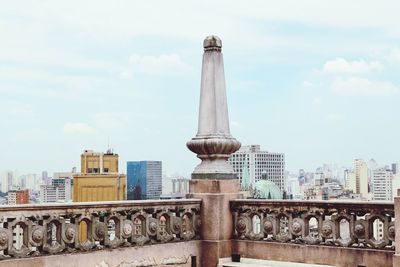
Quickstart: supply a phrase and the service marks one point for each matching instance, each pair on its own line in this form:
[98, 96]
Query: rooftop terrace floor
[244, 262]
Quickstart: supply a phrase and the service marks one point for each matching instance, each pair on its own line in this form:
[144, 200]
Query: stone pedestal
[216, 218]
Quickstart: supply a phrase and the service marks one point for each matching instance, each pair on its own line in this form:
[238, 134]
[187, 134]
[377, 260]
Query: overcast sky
[317, 81]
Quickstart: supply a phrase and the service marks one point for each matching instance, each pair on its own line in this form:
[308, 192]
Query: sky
[316, 80]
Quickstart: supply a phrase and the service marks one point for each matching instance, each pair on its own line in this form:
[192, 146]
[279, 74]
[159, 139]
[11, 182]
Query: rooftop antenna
[109, 150]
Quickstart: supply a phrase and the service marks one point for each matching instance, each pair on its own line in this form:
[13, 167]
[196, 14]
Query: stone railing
[33, 230]
[333, 223]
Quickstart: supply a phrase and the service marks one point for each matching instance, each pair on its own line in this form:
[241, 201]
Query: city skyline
[77, 82]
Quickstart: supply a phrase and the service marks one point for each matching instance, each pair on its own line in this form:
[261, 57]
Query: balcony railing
[33, 230]
[330, 223]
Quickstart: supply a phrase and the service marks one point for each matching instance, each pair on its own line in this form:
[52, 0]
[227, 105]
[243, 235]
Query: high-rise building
[260, 165]
[16, 197]
[361, 175]
[144, 179]
[395, 168]
[350, 180]
[30, 181]
[99, 179]
[66, 179]
[45, 177]
[382, 184]
[10, 180]
[60, 189]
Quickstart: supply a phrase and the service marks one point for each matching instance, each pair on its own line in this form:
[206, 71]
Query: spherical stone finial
[212, 42]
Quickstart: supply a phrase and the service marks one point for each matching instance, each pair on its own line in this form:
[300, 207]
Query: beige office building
[99, 179]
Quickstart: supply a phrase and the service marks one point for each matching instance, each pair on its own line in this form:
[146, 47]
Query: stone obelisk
[214, 180]
[213, 143]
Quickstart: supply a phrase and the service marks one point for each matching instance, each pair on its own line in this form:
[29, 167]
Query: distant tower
[10, 181]
[361, 176]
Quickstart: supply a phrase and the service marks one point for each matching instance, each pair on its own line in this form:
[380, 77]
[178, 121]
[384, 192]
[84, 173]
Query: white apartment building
[60, 189]
[66, 179]
[50, 193]
[260, 165]
[12, 198]
[382, 188]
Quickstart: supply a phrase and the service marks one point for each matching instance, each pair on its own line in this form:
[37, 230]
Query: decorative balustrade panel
[332, 223]
[32, 230]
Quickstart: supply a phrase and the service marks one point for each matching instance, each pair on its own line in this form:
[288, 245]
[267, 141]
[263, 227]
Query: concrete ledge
[175, 254]
[335, 256]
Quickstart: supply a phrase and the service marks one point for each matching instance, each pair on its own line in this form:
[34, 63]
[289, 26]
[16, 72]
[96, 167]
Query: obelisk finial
[213, 143]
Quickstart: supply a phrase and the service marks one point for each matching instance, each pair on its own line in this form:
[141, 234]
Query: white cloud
[110, 120]
[395, 54]
[307, 84]
[335, 116]
[78, 128]
[33, 133]
[340, 65]
[355, 86]
[16, 109]
[162, 64]
[316, 101]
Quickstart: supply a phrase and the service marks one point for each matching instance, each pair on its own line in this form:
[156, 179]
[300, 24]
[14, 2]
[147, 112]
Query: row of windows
[96, 170]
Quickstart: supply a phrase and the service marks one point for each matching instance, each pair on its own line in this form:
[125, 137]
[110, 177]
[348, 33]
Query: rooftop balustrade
[329, 223]
[34, 230]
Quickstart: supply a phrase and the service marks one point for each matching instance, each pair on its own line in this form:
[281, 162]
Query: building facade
[382, 187]
[52, 194]
[259, 164]
[361, 175]
[144, 179]
[16, 197]
[65, 179]
[99, 179]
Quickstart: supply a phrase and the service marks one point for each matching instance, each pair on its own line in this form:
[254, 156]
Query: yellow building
[99, 179]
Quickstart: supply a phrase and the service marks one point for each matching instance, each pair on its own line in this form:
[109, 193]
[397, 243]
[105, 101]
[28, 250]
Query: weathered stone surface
[175, 254]
[215, 186]
[216, 228]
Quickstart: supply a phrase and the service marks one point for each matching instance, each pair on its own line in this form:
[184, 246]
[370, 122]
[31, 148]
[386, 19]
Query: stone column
[214, 180]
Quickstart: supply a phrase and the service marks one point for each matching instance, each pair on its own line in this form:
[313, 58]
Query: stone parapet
[364, 225]
[34, 230]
